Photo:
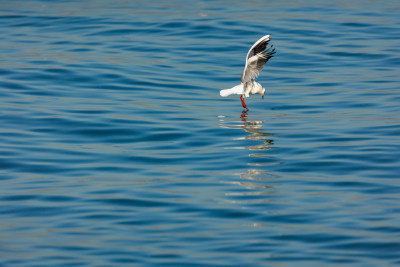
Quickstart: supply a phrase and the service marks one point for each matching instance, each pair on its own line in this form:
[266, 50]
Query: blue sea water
[117, 150]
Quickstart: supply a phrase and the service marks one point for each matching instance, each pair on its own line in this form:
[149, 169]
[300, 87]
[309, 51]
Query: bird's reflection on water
[252, 127]
[257, 178]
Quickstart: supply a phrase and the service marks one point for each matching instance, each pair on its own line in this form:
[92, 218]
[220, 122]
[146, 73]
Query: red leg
[243, 104]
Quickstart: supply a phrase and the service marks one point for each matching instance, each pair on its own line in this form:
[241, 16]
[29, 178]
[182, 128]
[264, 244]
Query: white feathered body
[251, 89]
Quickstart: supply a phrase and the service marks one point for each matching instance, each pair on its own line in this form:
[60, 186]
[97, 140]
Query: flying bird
[257, 56]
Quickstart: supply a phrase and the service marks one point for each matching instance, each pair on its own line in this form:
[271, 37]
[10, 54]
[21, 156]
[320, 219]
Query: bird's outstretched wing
[257, 56]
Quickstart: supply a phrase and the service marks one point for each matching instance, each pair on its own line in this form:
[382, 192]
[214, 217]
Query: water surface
[116, 148]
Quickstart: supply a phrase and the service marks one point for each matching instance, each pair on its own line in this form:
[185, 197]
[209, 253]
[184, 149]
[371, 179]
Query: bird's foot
[243, 104]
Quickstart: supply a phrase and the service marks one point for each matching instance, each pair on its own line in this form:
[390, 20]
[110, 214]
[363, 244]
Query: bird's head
[262, 93]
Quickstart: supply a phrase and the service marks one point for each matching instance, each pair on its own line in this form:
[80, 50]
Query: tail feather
[237, 90]
[227, 92]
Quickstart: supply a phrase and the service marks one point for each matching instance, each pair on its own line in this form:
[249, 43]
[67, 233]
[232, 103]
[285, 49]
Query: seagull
[257, 56]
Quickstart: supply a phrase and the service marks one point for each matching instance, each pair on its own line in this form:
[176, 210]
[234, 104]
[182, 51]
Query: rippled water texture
[117, 150]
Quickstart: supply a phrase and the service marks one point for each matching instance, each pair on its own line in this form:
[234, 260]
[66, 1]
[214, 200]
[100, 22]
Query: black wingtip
[270, 52]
